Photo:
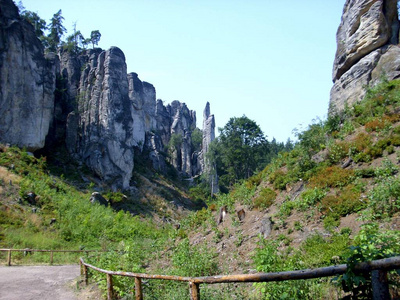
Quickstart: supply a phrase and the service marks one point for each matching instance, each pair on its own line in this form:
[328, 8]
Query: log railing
[378, 268]
[51, 252]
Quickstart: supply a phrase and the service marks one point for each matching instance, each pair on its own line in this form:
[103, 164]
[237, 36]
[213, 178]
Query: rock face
[208, 137]
[27, 82]
[366, 40]
[89, 102]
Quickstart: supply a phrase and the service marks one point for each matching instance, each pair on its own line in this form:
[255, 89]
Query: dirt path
[38, 282]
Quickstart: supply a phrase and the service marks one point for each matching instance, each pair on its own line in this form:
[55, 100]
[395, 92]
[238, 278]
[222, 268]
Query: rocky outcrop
[88, 101]
[208, 137]
[105, 127]
[368, 31]
[143, 100]
[27, 82]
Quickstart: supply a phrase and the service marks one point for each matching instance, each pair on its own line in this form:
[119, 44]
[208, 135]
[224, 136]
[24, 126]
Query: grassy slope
[341, 178]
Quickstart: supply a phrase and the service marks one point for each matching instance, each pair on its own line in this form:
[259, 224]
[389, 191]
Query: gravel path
[38, 282]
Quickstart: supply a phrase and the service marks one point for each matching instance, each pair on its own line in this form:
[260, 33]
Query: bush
[346, 203]
[332, 177]
[265, 198]
[370, 244]
[383, 199]
[309, 198]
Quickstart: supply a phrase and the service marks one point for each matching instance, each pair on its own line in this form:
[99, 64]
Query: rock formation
[88, 101]
[105, 128]
[27, 82]
[367, 44]
[208, 137]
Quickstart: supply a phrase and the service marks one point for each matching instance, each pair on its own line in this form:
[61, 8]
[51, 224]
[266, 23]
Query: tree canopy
[57, 30]
[241, 149]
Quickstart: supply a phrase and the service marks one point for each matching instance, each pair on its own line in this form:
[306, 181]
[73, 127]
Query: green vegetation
[74, 43]
[331, 199]
[241, 150]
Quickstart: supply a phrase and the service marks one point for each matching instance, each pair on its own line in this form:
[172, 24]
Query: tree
[74, 42]
[56, 31]
[95, 36]
[239, 150]
[33, 18]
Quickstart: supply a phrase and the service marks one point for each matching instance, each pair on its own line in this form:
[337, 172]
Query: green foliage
[95, 36]
[347, 202]
[370, 244]
[197, 139]
[383, 199]
[269, 259]
[314, 138]
[57, 30]
[309, 198]
[337, 151]
[193, 261]
[265, 198]
[240, 146]
[333, 176]
[242, 194]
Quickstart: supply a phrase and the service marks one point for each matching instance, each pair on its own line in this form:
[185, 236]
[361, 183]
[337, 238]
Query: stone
[365, 39]
[96, 197]
[105, 124]
[266, 227]
[388, 65]
[350, 88]
[208, 137]
[27, 80]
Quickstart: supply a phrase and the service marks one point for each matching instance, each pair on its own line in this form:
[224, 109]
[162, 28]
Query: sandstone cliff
[367, 49]
[27, 82]
[89, 102]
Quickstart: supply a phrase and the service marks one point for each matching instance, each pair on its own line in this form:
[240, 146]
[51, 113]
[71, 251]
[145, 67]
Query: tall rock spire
[208, 137]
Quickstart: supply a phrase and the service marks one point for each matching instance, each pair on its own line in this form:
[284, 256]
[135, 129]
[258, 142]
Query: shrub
[338, 151]
[309, 198]
[265, 198]
[333, 176]
[361, 142]
[278, 179]
[346, 203]
[268, 258]
[383, 199]
[193, 260]
[370, 244]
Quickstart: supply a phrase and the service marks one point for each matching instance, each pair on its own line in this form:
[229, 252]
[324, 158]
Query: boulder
[98, 198]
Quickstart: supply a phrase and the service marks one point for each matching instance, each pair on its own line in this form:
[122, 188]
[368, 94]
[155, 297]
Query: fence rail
[378, 268]
[27, 250]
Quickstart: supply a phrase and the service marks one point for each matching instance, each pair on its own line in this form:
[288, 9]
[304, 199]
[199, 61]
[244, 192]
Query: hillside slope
[338, 188]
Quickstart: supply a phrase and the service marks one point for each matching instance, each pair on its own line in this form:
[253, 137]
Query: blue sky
[269, 60]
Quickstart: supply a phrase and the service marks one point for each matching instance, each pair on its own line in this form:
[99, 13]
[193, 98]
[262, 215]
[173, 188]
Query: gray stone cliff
[90, 103]
[27, 82]
[367, 49]
[208, 137]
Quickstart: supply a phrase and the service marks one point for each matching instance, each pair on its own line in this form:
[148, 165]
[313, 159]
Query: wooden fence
[378, 268]
[51, 252]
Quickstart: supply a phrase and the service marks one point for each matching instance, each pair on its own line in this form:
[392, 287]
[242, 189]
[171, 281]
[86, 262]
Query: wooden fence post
[85, 274]
[51, 257]
[380, 285]
[110, 291]
[138, 288]
[9, 258]
[194, 291]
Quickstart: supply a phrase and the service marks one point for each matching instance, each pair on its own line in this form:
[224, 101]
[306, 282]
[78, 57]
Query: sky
[268, 60]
